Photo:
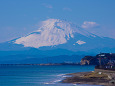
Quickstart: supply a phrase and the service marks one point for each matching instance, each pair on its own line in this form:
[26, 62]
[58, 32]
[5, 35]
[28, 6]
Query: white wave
[65, 76]
[61, 75]
[49, 83]
[57, 80]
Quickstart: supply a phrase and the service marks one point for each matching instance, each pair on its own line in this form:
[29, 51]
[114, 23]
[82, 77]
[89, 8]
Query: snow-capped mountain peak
[52, 32]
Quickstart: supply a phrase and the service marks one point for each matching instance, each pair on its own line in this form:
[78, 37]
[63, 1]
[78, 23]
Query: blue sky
[19, 17]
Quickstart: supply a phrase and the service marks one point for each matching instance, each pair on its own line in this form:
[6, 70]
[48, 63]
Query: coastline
[42, 64]
[90, 78]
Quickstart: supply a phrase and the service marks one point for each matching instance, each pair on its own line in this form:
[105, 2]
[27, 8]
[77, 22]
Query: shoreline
[90, 78]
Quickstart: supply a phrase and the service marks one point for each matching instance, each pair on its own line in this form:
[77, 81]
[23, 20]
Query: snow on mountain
[80, 42]
[53, 32]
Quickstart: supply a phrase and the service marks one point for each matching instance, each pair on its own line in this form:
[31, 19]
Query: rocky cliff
[89, 60]
[102, 58]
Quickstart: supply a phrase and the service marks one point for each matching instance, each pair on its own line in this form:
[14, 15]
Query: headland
[104, 73]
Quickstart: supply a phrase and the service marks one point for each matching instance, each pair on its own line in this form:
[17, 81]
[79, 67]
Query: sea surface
[28, 75]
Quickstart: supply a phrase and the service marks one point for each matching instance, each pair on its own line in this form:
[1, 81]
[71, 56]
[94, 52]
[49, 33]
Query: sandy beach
[91, 78]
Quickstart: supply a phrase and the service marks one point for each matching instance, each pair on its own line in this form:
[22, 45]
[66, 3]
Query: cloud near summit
[88, 25]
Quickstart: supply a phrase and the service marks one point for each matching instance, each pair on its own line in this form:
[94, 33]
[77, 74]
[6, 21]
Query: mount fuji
[55, 34]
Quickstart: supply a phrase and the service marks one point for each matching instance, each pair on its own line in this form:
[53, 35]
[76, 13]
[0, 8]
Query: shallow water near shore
[27, 75]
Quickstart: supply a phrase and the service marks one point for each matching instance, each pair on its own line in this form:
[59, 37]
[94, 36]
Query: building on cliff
[102, 60]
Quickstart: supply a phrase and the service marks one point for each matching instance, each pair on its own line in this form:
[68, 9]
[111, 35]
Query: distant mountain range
[57, 37]
[37, 59]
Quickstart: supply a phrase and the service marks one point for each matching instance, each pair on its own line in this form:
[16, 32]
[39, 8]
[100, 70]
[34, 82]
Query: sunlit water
[38, 75]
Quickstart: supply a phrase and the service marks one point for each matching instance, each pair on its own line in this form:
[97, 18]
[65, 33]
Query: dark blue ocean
[38, 75]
